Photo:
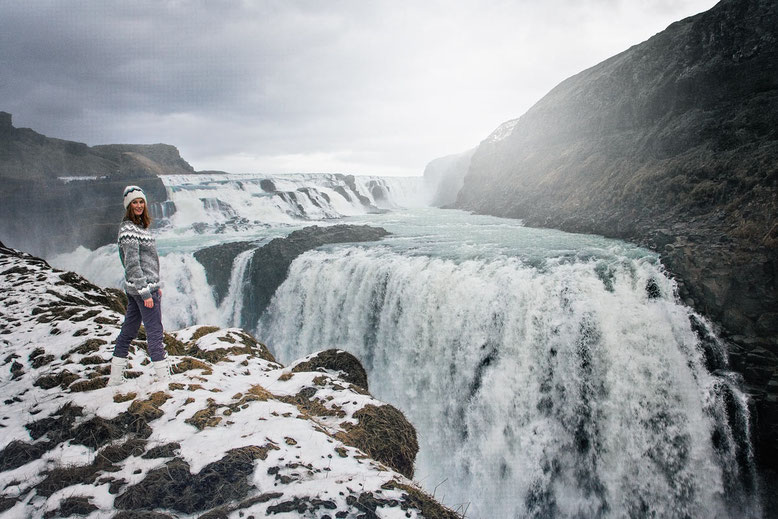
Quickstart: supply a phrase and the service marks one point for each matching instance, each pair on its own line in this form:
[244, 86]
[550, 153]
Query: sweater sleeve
[133, 274]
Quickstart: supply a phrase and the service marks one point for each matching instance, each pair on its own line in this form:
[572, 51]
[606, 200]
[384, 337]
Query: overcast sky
[353, 86]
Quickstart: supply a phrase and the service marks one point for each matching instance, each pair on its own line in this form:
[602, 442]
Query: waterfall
[573, 388]
[232, 306]
[185, 297]
[101, 266]
[246, 200]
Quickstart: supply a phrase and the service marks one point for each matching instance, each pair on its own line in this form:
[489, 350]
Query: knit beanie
[131, 193]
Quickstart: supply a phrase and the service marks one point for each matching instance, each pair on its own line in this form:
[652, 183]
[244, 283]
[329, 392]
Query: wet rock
[270, 263]
[267, 185]
[218, 261]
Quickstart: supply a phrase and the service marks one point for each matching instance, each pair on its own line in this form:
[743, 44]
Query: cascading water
[576, 388]
[547, 374]
[246, 200]
[232, 306]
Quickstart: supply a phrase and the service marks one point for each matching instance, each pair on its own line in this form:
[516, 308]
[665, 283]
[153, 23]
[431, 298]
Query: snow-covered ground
[235, 434]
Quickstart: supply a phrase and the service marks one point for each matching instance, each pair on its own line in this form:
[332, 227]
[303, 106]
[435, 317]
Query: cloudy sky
[276, 86]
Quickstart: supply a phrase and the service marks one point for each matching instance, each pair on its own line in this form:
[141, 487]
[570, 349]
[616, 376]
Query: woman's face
[137, 206]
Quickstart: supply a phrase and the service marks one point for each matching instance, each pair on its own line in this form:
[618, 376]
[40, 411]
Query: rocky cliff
[59, 194]
[234, 434]
[672, 144]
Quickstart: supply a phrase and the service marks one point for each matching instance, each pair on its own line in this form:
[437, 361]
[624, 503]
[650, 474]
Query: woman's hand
[148, 303]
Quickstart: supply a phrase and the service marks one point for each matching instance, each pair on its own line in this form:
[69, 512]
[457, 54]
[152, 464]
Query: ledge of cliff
[672, 144]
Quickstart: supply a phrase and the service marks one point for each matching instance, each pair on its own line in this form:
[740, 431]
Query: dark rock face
[270, 263]
[159, 159]
[41, 213]
[672, 144]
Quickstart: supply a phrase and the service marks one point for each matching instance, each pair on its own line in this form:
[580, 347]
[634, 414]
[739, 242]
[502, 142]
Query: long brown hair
[143, 220]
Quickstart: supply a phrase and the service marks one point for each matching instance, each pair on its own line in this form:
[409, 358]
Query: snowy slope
[234, 435]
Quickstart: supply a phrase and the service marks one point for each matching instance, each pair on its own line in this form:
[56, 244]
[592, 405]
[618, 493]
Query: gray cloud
[357, 86]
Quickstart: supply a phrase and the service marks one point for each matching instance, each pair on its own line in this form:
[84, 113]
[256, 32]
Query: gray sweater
[138, 253]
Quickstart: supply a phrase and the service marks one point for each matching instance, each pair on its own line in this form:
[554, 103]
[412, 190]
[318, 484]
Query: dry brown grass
[203, 331]
[206, 417]
[430, 509]
[261, 392]
[385, 435]
[189, 363]
[88, 385]
[124, 397]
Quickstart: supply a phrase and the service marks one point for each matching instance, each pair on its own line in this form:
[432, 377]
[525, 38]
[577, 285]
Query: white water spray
[232, 306]
[563, 391]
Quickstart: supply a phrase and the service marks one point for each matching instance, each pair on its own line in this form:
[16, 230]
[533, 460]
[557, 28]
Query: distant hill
[59, 194]
[672, 144]
[26, 154]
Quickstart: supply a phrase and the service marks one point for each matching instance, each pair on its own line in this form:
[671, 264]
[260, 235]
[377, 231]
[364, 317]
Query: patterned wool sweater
[138, 253]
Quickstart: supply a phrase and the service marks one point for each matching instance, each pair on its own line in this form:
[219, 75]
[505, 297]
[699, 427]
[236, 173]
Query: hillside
[59, 194]
[672, 144]
[234, 434]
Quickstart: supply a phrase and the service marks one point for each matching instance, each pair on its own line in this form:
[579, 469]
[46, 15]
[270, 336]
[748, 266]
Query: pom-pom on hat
[131, 193]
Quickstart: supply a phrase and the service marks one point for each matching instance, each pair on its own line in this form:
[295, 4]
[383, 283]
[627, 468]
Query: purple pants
[152, 320]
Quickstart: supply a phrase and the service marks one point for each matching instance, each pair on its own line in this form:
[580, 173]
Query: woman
[138, 254]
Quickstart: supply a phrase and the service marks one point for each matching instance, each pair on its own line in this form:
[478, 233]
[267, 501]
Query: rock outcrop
[671, 144]
[233, 433]
[270, 263]
[59, 194]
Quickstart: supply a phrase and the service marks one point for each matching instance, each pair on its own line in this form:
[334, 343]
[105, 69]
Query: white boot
[117, 371]
[161, 370]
